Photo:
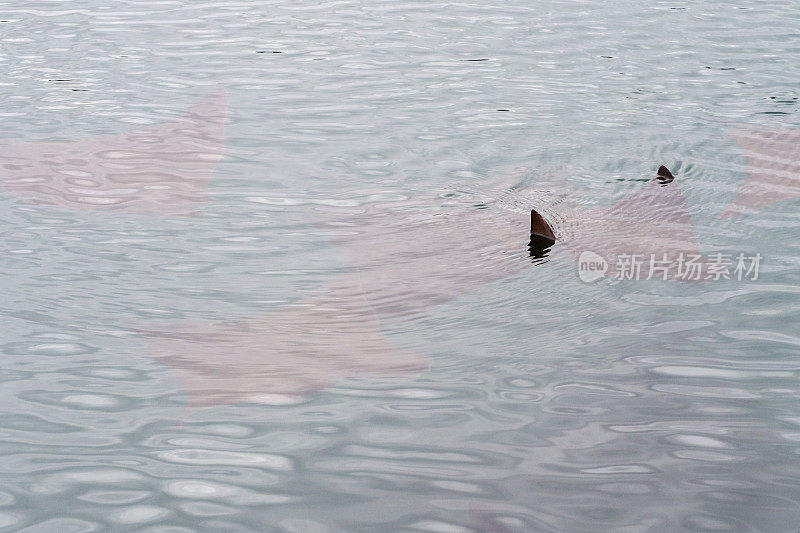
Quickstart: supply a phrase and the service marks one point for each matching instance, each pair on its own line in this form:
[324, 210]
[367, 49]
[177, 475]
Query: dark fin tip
[664, 176]
[539, 226]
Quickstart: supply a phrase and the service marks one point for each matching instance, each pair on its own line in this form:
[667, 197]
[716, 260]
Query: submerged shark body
[401, 265]
[651, 224]
[403, 262]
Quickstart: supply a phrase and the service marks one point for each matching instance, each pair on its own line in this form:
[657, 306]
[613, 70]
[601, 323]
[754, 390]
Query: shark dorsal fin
[540, 227]
[542, 237]
[664, 176]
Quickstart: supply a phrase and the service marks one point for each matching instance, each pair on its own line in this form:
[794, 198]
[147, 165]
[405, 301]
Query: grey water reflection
[265, 267]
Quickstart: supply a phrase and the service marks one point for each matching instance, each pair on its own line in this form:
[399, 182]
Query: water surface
[265, 268]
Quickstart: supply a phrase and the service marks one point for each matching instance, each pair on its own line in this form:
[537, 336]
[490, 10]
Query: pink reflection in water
[279, 356]
[773, 158]
[162, 169]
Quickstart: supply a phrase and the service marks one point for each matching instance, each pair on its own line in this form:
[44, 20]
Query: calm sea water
[323, 318]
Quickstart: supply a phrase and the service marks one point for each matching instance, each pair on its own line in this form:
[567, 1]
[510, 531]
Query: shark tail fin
[664, 176]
